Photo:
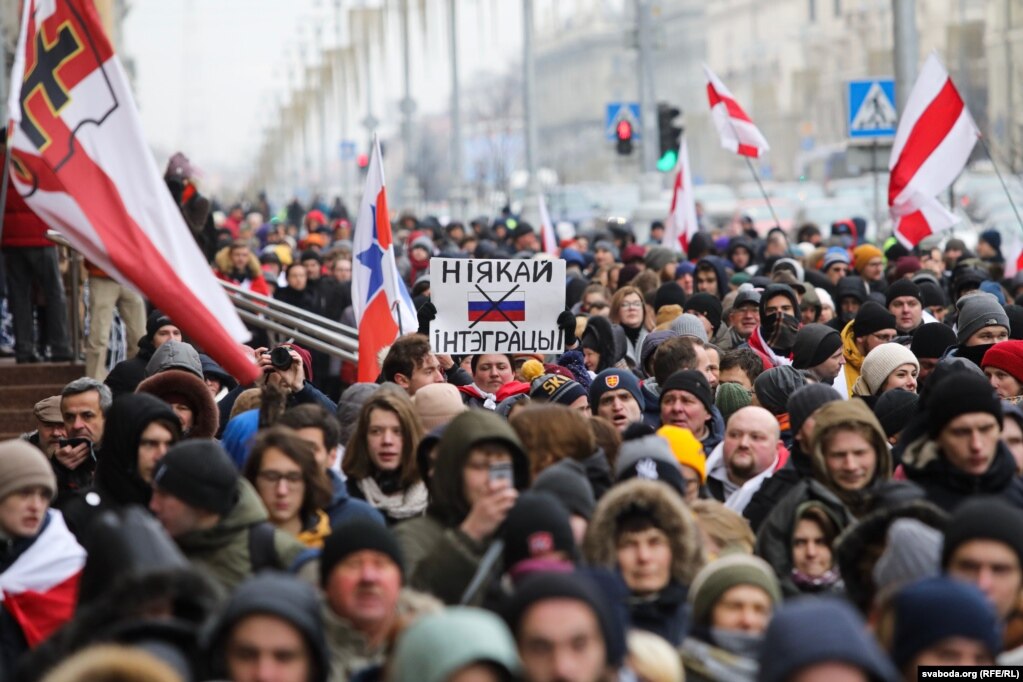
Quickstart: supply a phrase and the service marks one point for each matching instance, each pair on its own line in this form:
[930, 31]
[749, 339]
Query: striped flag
[547, 238]
[932, 145]
[497, 306]
[681, 225]
[80, 160]
[736, 129]
[381, 302]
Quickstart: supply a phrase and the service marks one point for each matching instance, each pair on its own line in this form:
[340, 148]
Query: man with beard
[747, 456]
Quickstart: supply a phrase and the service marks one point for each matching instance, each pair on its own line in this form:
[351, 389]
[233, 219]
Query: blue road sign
[346, 150]
[615, 112]
[872, 111]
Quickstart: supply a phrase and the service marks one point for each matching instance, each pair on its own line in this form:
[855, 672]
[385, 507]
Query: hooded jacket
[439, 557]
[223, 550]
[600, 336]
[946, 486]
[720, 271]
[846, 379]
[665, 613]
[117, 482]
[179, 382]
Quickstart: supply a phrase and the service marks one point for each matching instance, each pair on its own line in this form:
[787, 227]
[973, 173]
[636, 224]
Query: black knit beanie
[354, 536]
[708, 305]
[200, 473]
[931, 340]
[984, 518]
[538, 524]
[669, 293]
[815, 343]
[903, 287]
[691, 381]
[872, 317]
[894, 409]
[957, 395]
[806, 400]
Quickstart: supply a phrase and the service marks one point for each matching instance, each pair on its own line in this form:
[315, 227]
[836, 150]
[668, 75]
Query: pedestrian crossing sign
[872, 111]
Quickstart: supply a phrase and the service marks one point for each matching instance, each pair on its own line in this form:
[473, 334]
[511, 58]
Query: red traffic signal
[362, 160]
[624, 130]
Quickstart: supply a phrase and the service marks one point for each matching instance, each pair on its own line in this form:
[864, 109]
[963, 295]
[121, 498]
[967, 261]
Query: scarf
[401, 505]
[779, 330]
[757, 343]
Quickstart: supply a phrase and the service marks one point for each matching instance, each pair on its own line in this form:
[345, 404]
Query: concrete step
[12, 374]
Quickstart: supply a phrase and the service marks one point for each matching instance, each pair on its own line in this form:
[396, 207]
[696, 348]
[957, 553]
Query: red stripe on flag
[748, 150]
[376, 330]
[495, 316]
[913, 228]
[134, 255]
[40, 614]
[731, 106]
[383, 222]
[930, 129]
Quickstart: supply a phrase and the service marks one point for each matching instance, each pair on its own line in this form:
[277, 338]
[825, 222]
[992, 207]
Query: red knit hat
[1006, 356]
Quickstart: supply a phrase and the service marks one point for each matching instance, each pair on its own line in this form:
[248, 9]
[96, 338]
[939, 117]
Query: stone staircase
[22, 386]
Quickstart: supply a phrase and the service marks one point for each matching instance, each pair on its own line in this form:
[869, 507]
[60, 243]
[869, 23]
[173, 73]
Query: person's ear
[401, 380]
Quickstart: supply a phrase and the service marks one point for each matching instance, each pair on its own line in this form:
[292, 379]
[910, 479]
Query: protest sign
[497, 306]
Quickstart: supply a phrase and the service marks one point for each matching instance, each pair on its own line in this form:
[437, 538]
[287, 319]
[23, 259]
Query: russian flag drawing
[497, 306]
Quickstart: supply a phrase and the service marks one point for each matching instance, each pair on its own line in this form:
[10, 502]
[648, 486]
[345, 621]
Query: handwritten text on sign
[497, 306]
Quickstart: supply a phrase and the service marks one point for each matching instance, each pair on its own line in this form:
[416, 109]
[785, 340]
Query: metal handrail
[291, 310]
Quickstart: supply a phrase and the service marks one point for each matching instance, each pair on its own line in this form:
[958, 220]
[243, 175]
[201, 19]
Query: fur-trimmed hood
[670, 515]
[223, 262]
[206, 416]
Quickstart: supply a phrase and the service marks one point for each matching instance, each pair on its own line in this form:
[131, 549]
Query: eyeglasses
[884, 338]
[293, 478]
[632, 305]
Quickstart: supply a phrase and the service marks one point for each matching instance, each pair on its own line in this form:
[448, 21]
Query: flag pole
[763, 192]
[1005, 188]
[6, 179]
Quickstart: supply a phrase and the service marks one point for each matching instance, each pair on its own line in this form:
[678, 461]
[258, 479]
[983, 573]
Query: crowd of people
[781, 457]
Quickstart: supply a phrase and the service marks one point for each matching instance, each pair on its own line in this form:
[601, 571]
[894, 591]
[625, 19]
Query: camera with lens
[280, 358]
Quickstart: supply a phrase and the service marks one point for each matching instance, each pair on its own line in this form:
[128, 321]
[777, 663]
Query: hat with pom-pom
[556, 389]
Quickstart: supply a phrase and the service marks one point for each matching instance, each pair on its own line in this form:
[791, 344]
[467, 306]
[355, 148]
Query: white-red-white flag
[80, 160]
[381, 302]
[547, 238]
[736, 129]
[932, 145]
[681, 225]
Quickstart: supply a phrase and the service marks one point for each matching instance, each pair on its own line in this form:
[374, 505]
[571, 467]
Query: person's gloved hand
[566, 323]
[427, 314]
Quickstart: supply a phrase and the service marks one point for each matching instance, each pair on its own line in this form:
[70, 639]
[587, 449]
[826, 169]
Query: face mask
[973, 353]
[779, 331]
[739, 643]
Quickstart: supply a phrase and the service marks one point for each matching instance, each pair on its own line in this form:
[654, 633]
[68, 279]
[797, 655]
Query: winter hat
[814, 344]
[834, 255]
[175, 355]
[574, 586]
[933, 295]
[650, 344]
[200, 473]
[427, 649]
[689, 325]
[812, 630]
[932, 339]
[805, 401]
[1006, 356]
[438, 404]
[912, 552]
[894, 409]
[614, 379]
[350, 404]
[556, 389]
[790, 264]
[692, 381]
[937, 608]
[957, 394]
[709, 306]
[357, 535]
[906, 265]
[723, 574]
[279, 595]
[657, 257]
[851, 286]
[881, 362]
[730, 398]
[567, 481]
[748, 295]
[665, 315]
[652, 459]
[774, 386]
[871, 318]
[900, 288]
[775, 290]
[687, 450]
[992, 238]
[863, 254]
[538, 524]
[47, 410]
[976, 312]
[669, 293]
[23, 465]
[983, 518]
[1015, 315]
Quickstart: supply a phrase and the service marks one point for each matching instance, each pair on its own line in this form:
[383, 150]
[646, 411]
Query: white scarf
[403, 504]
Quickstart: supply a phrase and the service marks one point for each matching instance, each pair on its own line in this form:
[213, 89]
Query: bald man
[746, 457]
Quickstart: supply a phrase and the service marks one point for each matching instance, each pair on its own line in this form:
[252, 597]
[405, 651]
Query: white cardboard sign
[497, 306]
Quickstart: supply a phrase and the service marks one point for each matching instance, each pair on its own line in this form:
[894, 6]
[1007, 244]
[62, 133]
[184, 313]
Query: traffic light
[669, 137]
[362, 161]
[623, 131]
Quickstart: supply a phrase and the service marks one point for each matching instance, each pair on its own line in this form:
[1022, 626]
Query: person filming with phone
[480, 470]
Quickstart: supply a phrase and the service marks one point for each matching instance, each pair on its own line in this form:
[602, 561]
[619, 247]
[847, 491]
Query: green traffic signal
[668, 160]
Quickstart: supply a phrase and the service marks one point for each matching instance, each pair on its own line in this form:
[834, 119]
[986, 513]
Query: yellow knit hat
[687, 450]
